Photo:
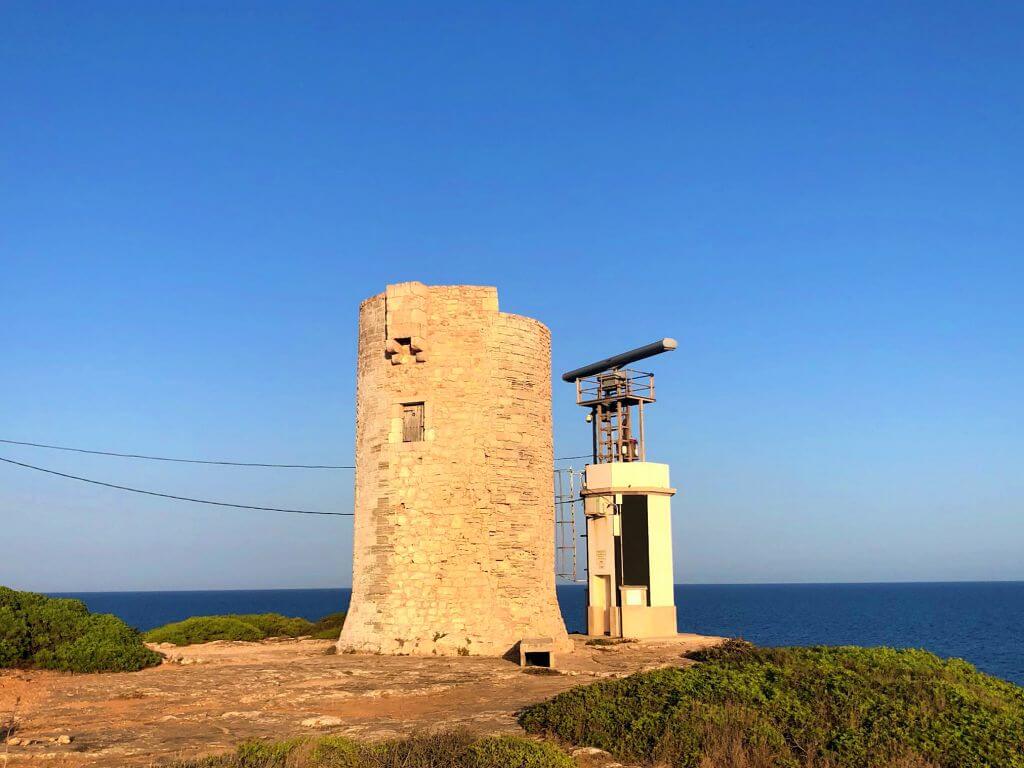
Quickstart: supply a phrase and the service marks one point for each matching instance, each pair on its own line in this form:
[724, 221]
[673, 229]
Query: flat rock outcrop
[228, 692]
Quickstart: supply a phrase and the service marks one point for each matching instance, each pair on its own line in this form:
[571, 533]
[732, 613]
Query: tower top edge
[486, 294]
[414, 287]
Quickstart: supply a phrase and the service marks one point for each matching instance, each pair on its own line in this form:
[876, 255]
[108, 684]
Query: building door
[634, 544]
[601, 604]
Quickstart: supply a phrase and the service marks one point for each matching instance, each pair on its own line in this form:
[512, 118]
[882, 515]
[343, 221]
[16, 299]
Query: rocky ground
[206, 698]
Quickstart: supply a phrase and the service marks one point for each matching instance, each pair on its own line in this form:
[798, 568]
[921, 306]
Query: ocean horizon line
[201, 590]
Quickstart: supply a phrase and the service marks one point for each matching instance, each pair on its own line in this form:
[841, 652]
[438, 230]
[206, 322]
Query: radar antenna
[611, 392]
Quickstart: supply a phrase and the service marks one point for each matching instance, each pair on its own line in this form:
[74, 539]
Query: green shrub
[329, 627]
[444, 749]
[276, 625]
[244, 626]
[334, 752]
[213, 761]
[265, 754]
[57, 633]
[733, 648]
[106, 644]
[516, 752]
[14, 636]
[420, 750]
[843, 707]
[203, 629]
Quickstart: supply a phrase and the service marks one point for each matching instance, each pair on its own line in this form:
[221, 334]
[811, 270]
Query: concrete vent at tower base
[454, 528]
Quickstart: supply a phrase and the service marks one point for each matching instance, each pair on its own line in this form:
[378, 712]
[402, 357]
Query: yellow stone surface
[454, 539]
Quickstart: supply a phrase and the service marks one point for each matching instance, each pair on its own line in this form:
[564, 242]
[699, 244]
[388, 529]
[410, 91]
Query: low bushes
[827, 707]
[447, 749]
[329, 627]
[58, 633]
[244, 626]
[203, 629]
[514, 752]
[276, 625]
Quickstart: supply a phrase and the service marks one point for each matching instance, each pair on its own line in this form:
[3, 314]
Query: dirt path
[207, 698]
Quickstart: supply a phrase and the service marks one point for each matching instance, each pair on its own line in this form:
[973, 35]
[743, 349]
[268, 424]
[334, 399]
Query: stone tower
[454, 549]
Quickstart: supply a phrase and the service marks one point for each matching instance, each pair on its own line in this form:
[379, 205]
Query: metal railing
[615, 385]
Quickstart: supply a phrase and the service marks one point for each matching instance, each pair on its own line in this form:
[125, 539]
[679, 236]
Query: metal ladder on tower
[567, 483]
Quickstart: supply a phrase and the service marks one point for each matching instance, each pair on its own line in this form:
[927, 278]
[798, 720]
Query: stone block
[537, 652]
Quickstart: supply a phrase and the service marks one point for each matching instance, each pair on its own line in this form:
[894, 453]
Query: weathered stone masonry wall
[453, 535]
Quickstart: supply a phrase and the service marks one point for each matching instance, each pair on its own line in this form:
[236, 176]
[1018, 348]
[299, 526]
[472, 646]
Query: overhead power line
[180, 461]
[172, 496]
[209, 461]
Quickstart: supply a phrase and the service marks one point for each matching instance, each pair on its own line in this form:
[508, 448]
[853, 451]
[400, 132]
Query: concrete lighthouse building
[454, 531]
[626, 502]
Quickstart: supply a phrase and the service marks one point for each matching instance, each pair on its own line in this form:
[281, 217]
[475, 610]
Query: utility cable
[211, 461]
[172, 496]
[181, 461]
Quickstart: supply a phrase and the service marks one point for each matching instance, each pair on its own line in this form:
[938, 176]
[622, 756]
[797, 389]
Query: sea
[982, 622]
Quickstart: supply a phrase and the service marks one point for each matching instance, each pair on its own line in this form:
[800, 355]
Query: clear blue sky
[821, 201]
